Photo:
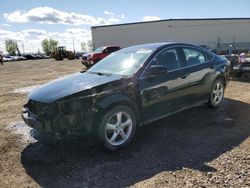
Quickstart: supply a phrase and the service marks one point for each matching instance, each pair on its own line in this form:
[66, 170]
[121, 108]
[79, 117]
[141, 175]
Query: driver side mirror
[156, 70]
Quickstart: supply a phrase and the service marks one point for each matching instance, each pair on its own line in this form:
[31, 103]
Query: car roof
[155, 46]
[111, 46]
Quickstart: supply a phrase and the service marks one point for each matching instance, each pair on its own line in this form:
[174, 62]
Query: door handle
[183, 76]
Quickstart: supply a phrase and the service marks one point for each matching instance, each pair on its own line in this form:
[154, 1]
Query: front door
[163, 94]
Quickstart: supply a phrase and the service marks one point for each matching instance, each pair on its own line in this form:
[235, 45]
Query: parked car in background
[242, 68]
[7, 58]
[29, 56]
[79, 55]
[21, 58]
[17, 58]
[1, 57]
[232, 59]
[129, 88]
[38, 56]
[92, 58]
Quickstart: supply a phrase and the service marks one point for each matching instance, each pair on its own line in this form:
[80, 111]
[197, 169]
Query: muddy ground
[201, 147]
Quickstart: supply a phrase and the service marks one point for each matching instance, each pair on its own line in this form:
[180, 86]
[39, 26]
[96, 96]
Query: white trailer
[216, 33]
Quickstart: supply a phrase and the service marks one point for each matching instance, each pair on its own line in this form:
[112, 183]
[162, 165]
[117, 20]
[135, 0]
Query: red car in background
[92, 58]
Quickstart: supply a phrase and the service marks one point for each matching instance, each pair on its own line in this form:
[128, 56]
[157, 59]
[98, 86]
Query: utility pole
[23, 47]
[74, 45]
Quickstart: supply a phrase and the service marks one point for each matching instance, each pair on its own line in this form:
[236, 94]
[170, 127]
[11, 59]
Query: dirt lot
[201, 147]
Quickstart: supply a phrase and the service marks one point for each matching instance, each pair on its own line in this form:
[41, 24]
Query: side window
[114, 49]
[111, 49]
[194, 56]
[105, 51]
[208, 56]
[168, 58]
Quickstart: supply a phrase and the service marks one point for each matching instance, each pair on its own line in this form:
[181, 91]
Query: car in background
[232, 59]
[242, 68]
[18, 58]
[7, 58]
[38, 56]
[129, 88]
[78, 55]
[92, 58]
[30, 56]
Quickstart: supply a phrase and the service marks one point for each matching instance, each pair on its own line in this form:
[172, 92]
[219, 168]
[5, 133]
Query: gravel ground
[25, 90]
[200, 147]
[21, 129]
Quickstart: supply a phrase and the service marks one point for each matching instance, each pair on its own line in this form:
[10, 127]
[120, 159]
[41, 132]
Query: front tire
[117, 127]
[217, 93]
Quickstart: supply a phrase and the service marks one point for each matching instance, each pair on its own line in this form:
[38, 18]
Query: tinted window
[112, 49]
[99, 50]
[208, 56]
[168, 58]
[194, 56]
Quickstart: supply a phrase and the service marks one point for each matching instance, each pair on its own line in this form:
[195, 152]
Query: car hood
[70, 85]
[90, 54]
[86, 55]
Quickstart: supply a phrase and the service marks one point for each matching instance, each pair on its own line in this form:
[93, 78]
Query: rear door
[198, 68]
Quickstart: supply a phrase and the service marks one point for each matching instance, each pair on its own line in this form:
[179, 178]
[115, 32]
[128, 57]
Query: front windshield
[99, 50]
[124, 62]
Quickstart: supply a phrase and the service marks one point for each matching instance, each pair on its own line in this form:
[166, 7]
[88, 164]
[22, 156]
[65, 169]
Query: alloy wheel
[218, 92]
[118, 128]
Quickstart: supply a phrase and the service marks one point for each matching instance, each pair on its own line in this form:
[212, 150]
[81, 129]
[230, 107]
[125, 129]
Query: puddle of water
[20, 128]
[25, 90]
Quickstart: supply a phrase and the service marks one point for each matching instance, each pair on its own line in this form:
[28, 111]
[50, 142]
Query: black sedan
[129, 88]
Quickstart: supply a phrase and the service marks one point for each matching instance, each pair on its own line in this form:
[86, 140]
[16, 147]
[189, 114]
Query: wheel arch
[108, 102]
[221, 77]
[223, 74]
[115, 100]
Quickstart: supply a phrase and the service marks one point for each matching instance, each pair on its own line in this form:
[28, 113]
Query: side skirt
[169, 114]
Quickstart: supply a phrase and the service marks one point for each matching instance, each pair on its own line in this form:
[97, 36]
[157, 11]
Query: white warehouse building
[217, 33]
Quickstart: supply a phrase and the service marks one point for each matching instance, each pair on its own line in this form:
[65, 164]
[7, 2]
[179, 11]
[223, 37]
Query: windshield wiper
[99, 73]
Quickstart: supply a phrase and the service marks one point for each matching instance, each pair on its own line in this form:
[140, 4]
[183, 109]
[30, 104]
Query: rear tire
[117, 127]
[217, 93]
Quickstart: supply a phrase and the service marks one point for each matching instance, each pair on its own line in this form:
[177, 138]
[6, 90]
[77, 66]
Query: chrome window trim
[177, 46]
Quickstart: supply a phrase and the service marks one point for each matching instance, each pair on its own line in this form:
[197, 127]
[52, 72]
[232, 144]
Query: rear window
[112, 49]
[194, 56]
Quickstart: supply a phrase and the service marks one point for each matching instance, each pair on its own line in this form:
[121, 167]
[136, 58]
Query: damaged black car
[127, 89]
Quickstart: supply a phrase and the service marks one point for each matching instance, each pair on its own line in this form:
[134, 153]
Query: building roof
[167, 20]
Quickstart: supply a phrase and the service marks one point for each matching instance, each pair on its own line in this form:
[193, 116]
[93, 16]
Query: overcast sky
[30, 21]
